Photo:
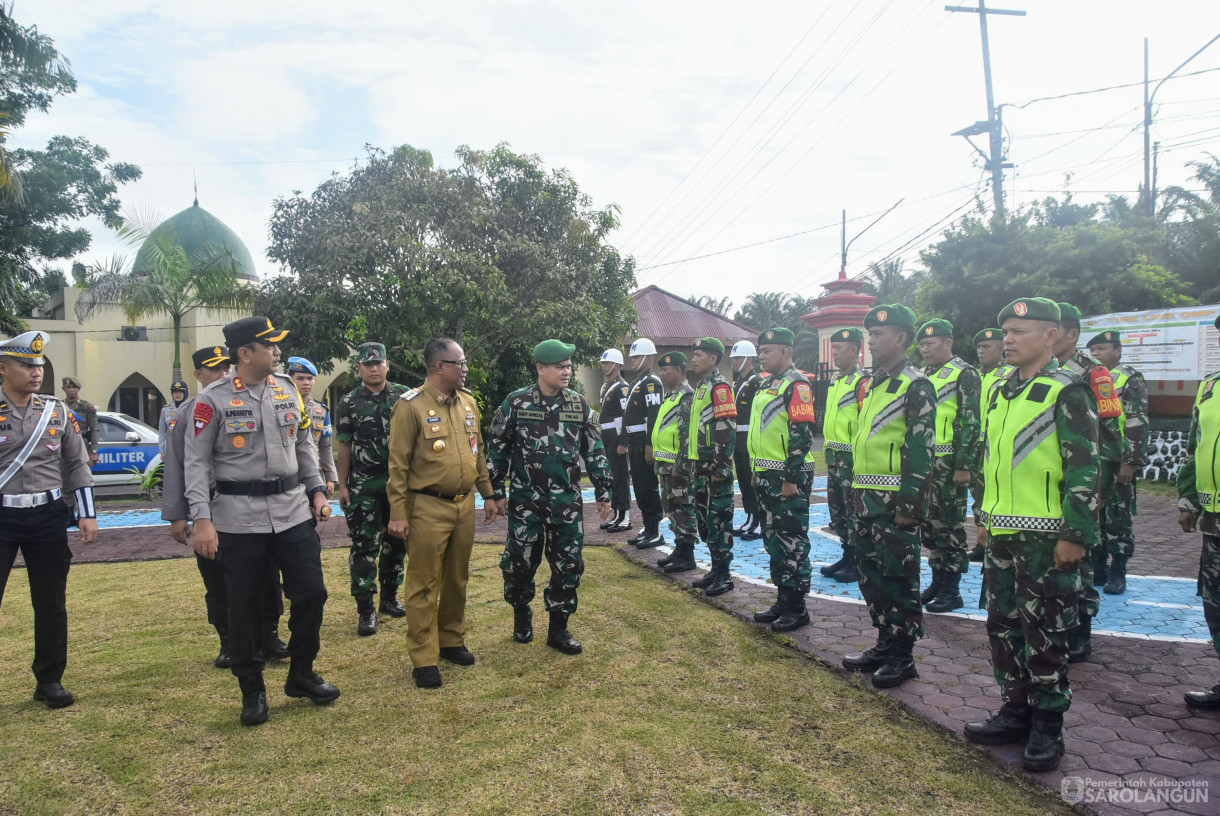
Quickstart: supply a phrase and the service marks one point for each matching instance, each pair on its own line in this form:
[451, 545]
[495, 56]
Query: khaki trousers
[440, 538]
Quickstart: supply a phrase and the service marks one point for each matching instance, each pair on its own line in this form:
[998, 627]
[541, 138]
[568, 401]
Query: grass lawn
[674, 708]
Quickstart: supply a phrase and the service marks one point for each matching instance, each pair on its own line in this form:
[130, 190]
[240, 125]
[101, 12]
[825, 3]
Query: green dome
[201, 234]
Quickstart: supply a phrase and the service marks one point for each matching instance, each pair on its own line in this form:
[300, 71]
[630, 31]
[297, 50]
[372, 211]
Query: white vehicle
[127, 450]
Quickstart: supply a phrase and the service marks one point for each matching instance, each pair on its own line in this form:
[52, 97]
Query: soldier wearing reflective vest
[613, 400]
[892, 460]
[709, 454]
[745, 386]
[1117, 533]
[957, 452]
[839, 428]
[643, 399]
[1108, 407]
[1039, 511]
[989, 346]
[670, 437]
[781, 447]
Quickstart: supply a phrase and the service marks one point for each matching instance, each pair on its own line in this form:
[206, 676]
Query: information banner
[1164, 344]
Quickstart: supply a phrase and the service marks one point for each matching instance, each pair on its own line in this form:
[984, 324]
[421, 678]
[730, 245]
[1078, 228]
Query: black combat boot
[523, 623]
[848, 573]
[899, 667]
[1117, 581]
[390, 604]
[1080, 640]
[929, 594]
[739, 531]
[977, 554]
[754, 531]
[367, 615]
[950, 595]
[254, 710]
[559, 638]
[303, 681]
[795, 614]
[830, 569]
[773, 614]
[53, 695]
[273, 647]
[1101, 569]
[683, 558]
[1045, 745]
[721, 581]
[1203, 699]
[872, 658]
[1010, 724]
[223, 659]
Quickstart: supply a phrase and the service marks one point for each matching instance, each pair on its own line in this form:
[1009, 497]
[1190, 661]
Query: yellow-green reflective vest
[768, 437]
[989, 380]
[842, 412]
[1023, 466]
[702, 419]
[882, 433]
[1120, 382]
[666, 432]
[1207, 469]
[945, 380]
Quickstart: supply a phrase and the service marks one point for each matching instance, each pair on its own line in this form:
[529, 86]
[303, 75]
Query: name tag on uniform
[433, 420]
[571, 416]
[531, 414]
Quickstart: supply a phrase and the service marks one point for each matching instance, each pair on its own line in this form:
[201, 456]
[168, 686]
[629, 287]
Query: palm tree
[720, 307]
[168, 282]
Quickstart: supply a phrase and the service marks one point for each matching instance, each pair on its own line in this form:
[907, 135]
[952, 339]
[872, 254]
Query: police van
[125, 443]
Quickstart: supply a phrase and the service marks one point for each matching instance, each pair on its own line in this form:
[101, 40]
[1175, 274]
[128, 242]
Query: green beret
[1108, 336]
[936, 327]
[1068, 312]
[894, 314]
[673, 358]
[852, 335]
[988, 334]
[1031, 309]
[777, 336]
[709, 344]
[549, 352]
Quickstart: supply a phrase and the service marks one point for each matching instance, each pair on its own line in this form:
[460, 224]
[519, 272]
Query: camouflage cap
[549, 352]
[1031, 309]
[672, 358]
[852, 335]
[892, 314]
[1108, 336]
[71, 382]
[1068, 312]
[936, 327]
[708, 344]
[370, 353]
[778, 336]
[988, 334]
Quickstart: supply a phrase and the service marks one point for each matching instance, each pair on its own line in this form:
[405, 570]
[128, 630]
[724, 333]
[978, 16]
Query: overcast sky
[712, 125]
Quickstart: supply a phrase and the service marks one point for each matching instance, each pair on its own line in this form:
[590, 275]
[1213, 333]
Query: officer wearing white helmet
[745, 384]
[639, 415]
[613, 401]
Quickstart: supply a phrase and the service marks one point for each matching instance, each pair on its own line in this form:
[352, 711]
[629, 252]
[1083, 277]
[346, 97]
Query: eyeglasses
[459, 363]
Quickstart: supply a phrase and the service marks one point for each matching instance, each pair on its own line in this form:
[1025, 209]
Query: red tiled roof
[669, 320]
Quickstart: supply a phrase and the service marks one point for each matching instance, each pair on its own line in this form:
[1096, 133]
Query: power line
[1107, 88]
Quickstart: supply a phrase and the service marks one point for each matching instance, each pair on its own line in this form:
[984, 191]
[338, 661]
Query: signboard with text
[1164, 344]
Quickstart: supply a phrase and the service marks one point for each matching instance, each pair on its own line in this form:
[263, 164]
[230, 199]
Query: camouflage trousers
[887, 557]
[944, 530]
[374, 553]
[838, 495]
[537, 529]
[1117, 517]
[1209, 586]
[679, 505]
[1090, 599]
[785, 529]
[714, 513]
[1031, 609]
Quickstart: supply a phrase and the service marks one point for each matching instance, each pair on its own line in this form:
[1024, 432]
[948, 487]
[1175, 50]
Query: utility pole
[846, 243]
[994, 128]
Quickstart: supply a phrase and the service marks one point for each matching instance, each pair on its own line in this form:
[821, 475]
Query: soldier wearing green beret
[86, 416]
[839, 428]
[958, 446]
[989, 346]
[892, 452]
[1039, 510]
[670, 438]
[1117, 533]
[539, 436]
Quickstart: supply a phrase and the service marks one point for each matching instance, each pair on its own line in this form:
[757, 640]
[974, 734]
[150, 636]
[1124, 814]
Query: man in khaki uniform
[86, 416]
[436, 461]
[42, 457]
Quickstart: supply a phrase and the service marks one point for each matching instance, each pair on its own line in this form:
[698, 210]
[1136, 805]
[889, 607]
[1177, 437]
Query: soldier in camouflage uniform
[362, 428]
[989, 346]
[538, 437]
[957, 452]
[781, 447]
[670, 438]
[1039, 510]
[1117, 535]
[892, 457]
[839, 428]
[709, 455]
[305, 375]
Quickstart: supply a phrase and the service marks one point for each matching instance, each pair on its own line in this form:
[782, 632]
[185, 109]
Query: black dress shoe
[427, 677]
[638, 537]
[457, 654]
[1204, 699]
[1010, 724]
[523, 624]
[54, 695]
[254, 709]
[310, 684]
[391, 606]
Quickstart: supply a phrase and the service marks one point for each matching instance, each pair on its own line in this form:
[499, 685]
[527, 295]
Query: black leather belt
[455, 498]
[280, 485]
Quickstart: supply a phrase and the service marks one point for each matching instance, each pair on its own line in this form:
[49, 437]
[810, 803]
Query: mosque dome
[201, 234]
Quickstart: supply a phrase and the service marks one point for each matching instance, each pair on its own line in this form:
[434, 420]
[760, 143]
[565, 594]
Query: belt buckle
[24, 500]
[457, 497]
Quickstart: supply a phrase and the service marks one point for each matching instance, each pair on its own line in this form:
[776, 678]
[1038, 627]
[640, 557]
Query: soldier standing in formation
[249, 443]
[781, 447]
[613, 400]
[1042, 426]
[892, 456]
[670, 438]
[989, 346]
[362, 428]
[437, 460]
[539, 436]
[1117, 534]
[839, 429]
[745, 386]
[957, 451]
[643, 400]
[86, 416]
[709, 451]
[42, 458]
[305, 375]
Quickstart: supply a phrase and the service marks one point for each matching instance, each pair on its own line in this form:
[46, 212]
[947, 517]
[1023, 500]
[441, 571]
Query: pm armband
[84, 503]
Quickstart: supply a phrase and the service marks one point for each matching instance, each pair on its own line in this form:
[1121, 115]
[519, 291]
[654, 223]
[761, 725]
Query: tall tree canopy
[766, 310]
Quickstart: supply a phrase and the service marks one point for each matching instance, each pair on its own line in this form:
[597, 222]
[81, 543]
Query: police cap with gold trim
[210, 357]
[1031, 309]
[778, 336]
[257, 329]
[26, 347]
[890, 314]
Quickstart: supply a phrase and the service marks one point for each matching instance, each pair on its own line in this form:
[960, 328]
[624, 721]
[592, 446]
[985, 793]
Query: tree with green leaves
[720, 307]
[766, 310]
[890, 282]
[1192, 231]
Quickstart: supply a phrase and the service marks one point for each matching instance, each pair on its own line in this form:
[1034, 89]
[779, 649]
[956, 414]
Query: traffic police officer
[305, 375]
[639, 417]
[177, 392]
[85, 413]
[1039, 510]
[613, 400]
[437, 460]
[670, 437]
[989, 346]
[253, 425]
[838, 429]
[892, 455]
[745, 386]
[42, 457]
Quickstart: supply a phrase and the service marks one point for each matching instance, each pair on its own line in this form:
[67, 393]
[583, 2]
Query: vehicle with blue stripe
[127, 450]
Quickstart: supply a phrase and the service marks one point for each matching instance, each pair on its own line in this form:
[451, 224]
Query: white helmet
[743, 348]
[612, 356]
[641, 347]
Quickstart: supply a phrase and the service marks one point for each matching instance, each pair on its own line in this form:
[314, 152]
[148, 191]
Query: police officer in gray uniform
[249, 437]
[42, 457]
[305, 375]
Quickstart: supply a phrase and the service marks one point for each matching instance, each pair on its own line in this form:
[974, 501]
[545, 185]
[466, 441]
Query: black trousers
[745, 475]
[41, 534]
[216, 596]
[647, 489]
[620, 479]
[244, 558]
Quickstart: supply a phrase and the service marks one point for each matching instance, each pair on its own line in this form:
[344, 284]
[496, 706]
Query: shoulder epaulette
[410, 395]
[914, 373]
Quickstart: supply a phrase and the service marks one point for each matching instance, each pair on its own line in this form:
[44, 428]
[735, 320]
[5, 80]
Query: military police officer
[613, 400]
[42, 458]
[85, 413]
[745, 386]
[989, 346]
[838, 429]
[305, 375]
[670, 438]
[177, 392]
[639, 417]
